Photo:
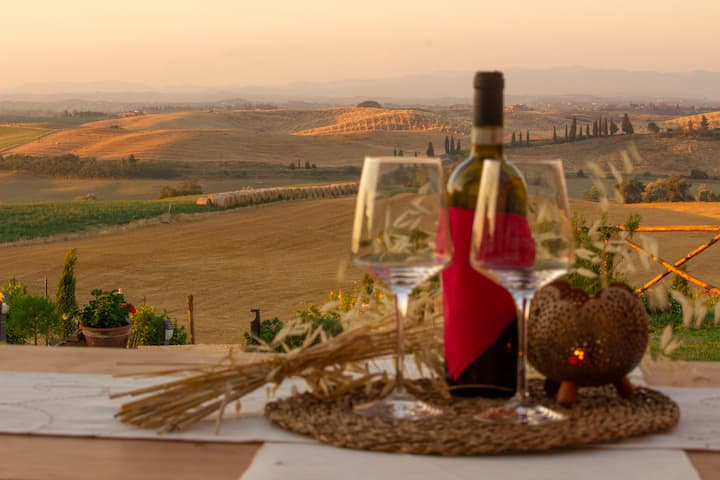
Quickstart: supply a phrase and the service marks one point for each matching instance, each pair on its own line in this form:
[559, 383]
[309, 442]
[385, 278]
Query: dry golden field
[345, 135]
[327, 137]
[682, 122]
[273, 257]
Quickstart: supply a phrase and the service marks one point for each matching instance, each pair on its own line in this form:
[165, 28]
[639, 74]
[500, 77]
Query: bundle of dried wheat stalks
[330, 366]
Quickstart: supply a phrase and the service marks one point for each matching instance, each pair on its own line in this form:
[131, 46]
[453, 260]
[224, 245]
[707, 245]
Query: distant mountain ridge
[443, 88]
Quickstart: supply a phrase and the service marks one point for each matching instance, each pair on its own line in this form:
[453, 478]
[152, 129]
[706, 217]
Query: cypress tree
[527, 137]
[457, 148]
[512, 141]
[604, 127]
[627, 127]
[554, 134]
[447, 145]
[430, 152]
[595, 128]
[65, 302]
[704, 124]
[452, 145]
[520, 138]
[613, 127]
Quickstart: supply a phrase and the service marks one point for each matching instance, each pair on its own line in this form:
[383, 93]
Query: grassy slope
[28, 221]
[14, 136]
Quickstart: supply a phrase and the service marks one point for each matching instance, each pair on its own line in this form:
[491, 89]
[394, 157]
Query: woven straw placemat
[598, 416]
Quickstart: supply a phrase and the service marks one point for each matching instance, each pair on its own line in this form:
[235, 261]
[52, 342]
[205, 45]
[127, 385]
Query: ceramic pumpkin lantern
[576, 340]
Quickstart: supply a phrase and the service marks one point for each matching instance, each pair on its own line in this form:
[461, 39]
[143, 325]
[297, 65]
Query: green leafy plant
[105, 310]
[149, 327]
[10, 290]
[33, 316]
[268, 330]
[599, 251]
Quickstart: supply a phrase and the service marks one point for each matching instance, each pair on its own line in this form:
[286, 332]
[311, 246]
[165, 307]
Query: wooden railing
[675, 267]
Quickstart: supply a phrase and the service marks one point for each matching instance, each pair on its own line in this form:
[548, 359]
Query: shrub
[697, 174]
[631, 190]
[671, 189]
[32, 316]
[594, 257]
[705, 195]
[149, 327]
[188, 187]
[592, 194]
[11, 290]
[268, 330]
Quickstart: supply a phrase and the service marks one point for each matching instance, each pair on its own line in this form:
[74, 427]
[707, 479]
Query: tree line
[670, 189]
[73, 166]
[701, 130]
[601, 127]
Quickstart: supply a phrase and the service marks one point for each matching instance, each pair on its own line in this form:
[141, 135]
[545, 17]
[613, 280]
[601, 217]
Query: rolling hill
[682, 122]
[334, 136]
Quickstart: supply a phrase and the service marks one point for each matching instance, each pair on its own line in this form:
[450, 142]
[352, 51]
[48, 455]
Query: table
[36, 457]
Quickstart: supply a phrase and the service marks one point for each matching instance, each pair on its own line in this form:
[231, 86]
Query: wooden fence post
[191, 318]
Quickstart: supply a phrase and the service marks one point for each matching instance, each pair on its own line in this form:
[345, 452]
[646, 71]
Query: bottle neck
[487, 141]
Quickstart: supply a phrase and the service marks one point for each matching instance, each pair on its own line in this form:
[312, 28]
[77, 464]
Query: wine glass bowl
[401, 236]
[523, 239]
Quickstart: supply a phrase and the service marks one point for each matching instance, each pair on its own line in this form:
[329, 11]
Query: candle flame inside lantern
[577, 357]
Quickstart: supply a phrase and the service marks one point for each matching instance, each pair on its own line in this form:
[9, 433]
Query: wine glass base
[398, 405]
[520, 413]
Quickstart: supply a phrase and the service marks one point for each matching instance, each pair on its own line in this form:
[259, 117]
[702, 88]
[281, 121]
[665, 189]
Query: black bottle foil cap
[489, 80]
[488, 108]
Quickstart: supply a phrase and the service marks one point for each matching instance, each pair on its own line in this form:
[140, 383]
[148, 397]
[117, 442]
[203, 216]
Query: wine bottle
[480, 315]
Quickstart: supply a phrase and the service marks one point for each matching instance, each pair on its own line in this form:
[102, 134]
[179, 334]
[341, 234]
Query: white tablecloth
[78, 405]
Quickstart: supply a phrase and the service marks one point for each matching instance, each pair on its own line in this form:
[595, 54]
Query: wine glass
[523, 238]
[401, 236]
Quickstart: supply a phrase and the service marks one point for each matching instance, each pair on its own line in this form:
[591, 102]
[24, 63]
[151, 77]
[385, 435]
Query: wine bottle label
[476, 309]
[486, 135]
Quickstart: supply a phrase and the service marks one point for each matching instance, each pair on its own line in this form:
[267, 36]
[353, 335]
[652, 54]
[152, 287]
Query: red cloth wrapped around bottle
[507, 242]
[476, 309]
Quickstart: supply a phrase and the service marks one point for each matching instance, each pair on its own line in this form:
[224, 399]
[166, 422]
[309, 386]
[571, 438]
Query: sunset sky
[247, 42]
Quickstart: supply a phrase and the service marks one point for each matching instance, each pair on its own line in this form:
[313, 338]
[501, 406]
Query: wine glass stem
[402, 297]
[523, 303]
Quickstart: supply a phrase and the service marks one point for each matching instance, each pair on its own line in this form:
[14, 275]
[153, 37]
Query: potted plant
[105, 319]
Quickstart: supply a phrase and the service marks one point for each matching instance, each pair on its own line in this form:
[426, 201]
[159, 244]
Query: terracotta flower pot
[106, 337]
